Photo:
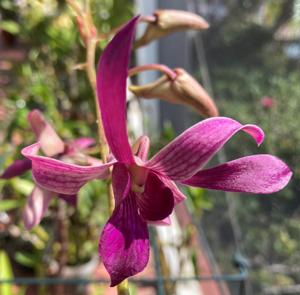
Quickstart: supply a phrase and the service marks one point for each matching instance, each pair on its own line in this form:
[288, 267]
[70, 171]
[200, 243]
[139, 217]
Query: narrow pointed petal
[141, 147]
[190, 151]
[36, 207]
[70, 199]
[111, 90]
[61, 177]
[82, 143]
[17, 168]
[121, 182]
[259, 174]
[50, 142]
[157, 201]
[124, 243]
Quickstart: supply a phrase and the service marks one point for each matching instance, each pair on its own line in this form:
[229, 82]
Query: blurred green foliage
[248, 63]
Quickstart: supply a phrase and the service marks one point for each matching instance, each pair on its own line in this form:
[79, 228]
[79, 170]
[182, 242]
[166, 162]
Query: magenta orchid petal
[82, 143]
[37, 205]
[17, 168]
[111, 89]
[143, 148]
[60, 177]
[121, 182]
[124, 244]
[259, 174]
[157, 201]
[177, 194]
[50, 142]
[70, 199]
[187, 153]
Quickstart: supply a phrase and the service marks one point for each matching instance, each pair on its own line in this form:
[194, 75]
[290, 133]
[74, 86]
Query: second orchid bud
[183, 89]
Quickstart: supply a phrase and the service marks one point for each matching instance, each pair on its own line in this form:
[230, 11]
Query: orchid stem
[153, 67]
[74, 5]
[63, 235]
[104, 150]
[91, 73]
[123, 288]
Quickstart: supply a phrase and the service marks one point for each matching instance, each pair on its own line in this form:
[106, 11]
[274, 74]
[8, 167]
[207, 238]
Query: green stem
[123, 288]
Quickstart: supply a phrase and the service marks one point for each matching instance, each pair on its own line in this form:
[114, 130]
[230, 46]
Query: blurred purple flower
[51, 145]
[144, 190]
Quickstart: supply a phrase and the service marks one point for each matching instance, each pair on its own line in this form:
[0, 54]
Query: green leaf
[26, 259]
[10, 27]
[6, 205]
[22, 186]
[6, 273]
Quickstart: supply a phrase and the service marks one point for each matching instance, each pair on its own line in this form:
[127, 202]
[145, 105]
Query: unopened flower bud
[184, 89]
[169, 21]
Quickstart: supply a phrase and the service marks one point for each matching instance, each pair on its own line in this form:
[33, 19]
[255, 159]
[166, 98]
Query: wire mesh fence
[234, 283]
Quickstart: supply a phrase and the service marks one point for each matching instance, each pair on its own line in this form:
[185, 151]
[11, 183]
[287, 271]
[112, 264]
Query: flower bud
[169, 21]
[184, 89]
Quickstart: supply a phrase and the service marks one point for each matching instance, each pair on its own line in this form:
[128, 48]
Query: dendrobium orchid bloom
[144, 190]
[51, 145]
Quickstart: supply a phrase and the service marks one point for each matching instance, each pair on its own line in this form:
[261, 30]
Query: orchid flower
[51, 145]
[145, 191]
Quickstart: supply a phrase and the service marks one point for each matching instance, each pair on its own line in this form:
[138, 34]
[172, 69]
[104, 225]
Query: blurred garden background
[249, 62]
